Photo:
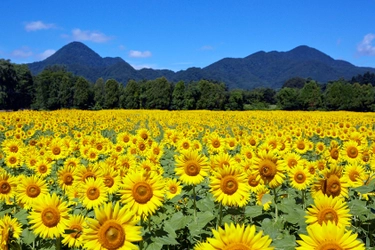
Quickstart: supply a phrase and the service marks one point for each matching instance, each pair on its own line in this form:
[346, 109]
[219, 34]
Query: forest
[56, 88]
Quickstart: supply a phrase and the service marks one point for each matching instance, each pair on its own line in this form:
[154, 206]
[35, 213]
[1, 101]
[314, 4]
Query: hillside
[261, 69]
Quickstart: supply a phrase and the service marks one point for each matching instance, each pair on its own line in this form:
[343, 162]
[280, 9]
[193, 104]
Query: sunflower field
[140, 179]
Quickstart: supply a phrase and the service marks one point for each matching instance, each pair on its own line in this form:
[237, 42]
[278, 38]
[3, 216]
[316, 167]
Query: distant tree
[24, 90]
[366, 78]
[310, 96]
[66, 92]
[8, 82]
[287, 98]
[339, 95]
[81, 93]
[129, 98]
[178, 96]
[99, 93]
[294, 82]
[112, 94]
[235, 100]
[157, 94]
[192, 95]
[212, 95]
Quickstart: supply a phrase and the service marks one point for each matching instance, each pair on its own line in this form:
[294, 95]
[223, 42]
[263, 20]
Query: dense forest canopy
[56, 88]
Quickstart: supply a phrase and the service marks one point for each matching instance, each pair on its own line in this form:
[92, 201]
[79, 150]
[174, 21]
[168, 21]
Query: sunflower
[91, 171]
[76, 223]
[184, 144]
[320, 147]
[50, 216]
[57, 149]
[354, 174]
[291, 160]
[93, 193]
[112, 228]
[253, 181]
[222, 160]
[141, 193]
[301, 146]
[332, 183]
[328, 208]
[266, 166]
[260, 192]
[229, 186]
[30, 189]
[66, 177]
[237, 237]
[111, 179]
[215, 143]
[8, 186]
[192, 167]
[13, 160]
[300, 177]
[247, 152]
[43, 168]
[329, 236]
[125, 163]
[173, 188]
[332, 154]
[12, 146]
[9, 229]
[351, 151]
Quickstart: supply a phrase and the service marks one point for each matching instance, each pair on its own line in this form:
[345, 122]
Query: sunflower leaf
[166, 240]
[253, 211]
[154, 246]
[22, 216]
[28, 236]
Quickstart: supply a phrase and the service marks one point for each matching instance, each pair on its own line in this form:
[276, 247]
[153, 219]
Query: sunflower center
[334, 153]
[92, 155]
[249, 155]
[333, 186]
[78, 230]
[32, 162]
[111, 235]
[108, 181]
[327, 214]
[4, 187]
[144, 136]
[301, 145]
[68, 179]
[142, 192]
[118, 149]
[14, 149]
[12, 160]
[142, 146]
[267, 169]
[300, 177]
[156, 151]
[216, 143]
[229, 185]
[126, 139]
[56, 150]
[42, 169]
[232, 144]
[365, 157]
[292, 163]
[311, 170]
[185, 145]
[99, 147]
[50, 217]
[352, 152]
[88, 175]
[93, 193]
[237, 246]
[172, 189]
[192, 168]
[253, 181]
[330, 246]
[32, 190]
[353, 175]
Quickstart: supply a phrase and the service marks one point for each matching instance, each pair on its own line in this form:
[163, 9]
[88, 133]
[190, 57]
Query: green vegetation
[56, 88]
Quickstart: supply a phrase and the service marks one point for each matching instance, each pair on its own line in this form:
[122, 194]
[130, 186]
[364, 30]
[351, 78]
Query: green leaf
[155, 246]
[169, 229]
[178, 221]
[206, 204]
[366, 188]
[195, 227]
[288, 242]
[165, 240]
[358, 207]
[22, 216]
[28, 236]
[266, 198]
[253, 211]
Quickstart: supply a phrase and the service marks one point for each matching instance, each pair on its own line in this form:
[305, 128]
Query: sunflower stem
[141, 242]
[303, 199]
[195, 204]
[58, 243]
[218, 224]
[275, 200]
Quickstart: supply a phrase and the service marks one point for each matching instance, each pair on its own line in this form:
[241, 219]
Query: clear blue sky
[177, 34]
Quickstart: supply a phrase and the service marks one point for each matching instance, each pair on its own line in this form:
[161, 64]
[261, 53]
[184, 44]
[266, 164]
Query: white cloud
[46, 53]
[38, 25]
[365, 47]
[207, 47]
[87, 35]
[143, 66]
[22, 52]
[140, 54]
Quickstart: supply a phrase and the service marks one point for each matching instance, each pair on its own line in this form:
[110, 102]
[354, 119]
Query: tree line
[56, 88]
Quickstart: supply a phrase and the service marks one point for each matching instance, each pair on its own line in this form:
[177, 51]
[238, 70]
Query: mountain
[261, 69]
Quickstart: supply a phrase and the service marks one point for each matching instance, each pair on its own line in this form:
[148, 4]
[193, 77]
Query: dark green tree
[192, 95]
[287, 98]
[235, 100]
[8, 83]
[156, 94]
[99, 96]
[178, 96]
[338, 95]
[129, 98]
[81, 93]
[294, 82]
[24, 90]
[310, 96]
[112, 94]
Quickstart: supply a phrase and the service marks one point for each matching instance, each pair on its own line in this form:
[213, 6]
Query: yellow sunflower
[12, 146]
[113, 228]
[237, 237]
[111, 179]
[93, 193]
[43, 168]
[215, 143]
[76, 223]
[260, 192]
[332, 183]
[351, 152]
[291, 160]
[328, 208]
[173, 188]
[191, 167]
[354, 174]
[10, 229]
[141, 193]
[229, 186]
[8, 186]
[66, 177]
[50, 216]
[30, 189]
[267, 168]
[13, 160]
[329, 236]
[222, 160]
[300, 177]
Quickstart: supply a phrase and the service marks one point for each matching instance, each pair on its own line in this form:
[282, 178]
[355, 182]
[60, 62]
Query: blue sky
[179, 34]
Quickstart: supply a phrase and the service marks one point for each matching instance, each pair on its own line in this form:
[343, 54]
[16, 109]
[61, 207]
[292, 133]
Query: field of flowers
[199, 180]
